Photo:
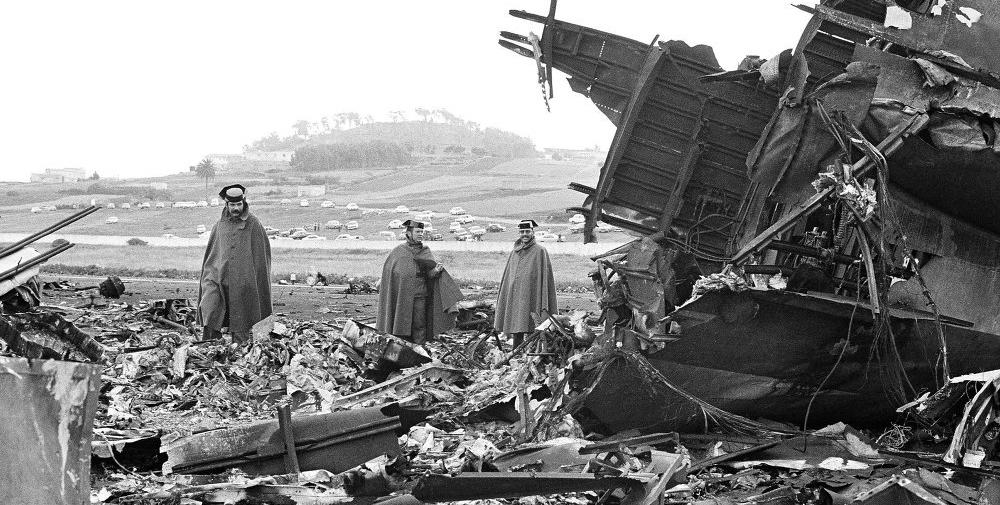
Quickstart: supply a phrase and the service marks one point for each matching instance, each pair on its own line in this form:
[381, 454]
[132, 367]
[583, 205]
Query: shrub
[137, 241]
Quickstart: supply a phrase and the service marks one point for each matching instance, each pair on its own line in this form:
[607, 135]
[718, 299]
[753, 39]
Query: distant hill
[424, 133]
[395, 144]
[417, 136]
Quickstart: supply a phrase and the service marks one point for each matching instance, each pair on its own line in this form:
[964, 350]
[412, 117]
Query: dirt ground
[295, 301]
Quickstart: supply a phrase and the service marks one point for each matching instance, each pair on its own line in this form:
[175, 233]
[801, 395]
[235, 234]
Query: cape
[399, 285]
[527, 287]
[236, 273]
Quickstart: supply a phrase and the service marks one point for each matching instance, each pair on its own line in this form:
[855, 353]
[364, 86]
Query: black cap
[527, 224]
[410, 223]
[233, 193]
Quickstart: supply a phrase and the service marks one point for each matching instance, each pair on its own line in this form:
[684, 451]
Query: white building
[272, 156]
[310, 191]
[59, 175]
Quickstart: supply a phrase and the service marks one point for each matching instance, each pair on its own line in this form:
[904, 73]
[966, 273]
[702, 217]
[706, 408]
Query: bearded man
[235, 287]
[416, 295]
[527, 288]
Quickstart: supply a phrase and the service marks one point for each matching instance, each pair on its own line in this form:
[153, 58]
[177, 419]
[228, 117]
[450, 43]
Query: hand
[436, 271]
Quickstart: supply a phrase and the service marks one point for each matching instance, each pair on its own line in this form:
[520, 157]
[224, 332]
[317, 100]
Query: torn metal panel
[137, 449]
[953, 31]
[335, 441]
[46, 419]
[545, 457]
[763, 354]
[48, 335]
[291, 495]
[957, 275]
[892, 141]
[13, 260]
[959, 183]
[898, 489]
[398, 387]
[481, 486]
[796, 144]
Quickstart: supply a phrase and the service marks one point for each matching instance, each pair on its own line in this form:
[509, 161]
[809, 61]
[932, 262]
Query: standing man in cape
[527, 287]
[416, 294]
[235, 288]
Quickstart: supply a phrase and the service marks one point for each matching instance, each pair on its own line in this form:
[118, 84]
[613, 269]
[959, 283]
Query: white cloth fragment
[840, 464]
[791, 464]
[898, 17]
[967, 16]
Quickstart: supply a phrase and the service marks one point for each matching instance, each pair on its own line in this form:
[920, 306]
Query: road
[573, 248]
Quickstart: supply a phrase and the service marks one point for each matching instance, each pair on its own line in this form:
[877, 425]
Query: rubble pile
[467, 417]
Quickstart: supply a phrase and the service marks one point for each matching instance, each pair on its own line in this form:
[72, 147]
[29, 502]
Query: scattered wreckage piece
[709, 361]
[313, 487]
[137, 449]
[334, 441]
[19, 263]
[969, 403]
[399, 388]
[486, 485]
[47, 412]
[47, 335]
[919, 487]
[112, 287]
[881, 152]
[19, 290]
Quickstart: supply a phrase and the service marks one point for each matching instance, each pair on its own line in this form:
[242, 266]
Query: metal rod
[887, 147]
[813, 252]
[732, 455]
[166, 322]
[285, 426]
[52, 228]
[41, 258]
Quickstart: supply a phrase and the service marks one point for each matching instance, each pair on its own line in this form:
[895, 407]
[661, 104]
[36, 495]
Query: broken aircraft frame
[848, 183]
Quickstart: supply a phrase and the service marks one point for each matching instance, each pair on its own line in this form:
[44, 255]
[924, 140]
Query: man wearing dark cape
[416, 294]
[527, 287]
[235, 287]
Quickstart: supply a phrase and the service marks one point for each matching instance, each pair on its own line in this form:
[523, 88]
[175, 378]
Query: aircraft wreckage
[839, 198]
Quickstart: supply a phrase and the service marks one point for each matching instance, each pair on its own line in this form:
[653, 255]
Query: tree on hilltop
[206, 170]
[301, 128]
[448, 117]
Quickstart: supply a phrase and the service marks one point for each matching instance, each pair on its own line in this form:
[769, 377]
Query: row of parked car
[292, 233]
[326, 204]
[333, 224]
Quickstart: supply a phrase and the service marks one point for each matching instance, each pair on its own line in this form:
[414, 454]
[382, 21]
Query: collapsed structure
[817, 249]
[840, 194]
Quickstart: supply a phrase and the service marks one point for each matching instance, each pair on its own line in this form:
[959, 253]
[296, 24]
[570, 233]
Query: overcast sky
[145, 88]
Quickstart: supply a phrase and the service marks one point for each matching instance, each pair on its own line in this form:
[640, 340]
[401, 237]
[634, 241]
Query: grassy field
[493, 187]
[483, 269]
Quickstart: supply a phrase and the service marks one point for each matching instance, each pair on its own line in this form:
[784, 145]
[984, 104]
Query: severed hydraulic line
[49, 230]
[37, 260]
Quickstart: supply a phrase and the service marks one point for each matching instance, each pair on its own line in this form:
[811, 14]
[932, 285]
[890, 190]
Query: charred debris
[807, 316]
[818, 227]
